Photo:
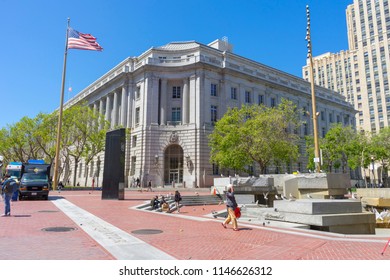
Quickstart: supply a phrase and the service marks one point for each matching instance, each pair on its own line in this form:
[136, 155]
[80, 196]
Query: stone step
[186, 201]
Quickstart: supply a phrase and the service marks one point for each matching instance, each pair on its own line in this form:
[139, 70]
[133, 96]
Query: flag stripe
[81, 41]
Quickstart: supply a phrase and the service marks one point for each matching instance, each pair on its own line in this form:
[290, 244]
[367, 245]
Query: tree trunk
[76, 164]
[86, 175]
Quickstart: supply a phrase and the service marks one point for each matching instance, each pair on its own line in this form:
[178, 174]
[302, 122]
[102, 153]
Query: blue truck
[35, 181]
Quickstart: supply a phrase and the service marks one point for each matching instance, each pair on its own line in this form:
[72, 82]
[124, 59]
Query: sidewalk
[89, 228]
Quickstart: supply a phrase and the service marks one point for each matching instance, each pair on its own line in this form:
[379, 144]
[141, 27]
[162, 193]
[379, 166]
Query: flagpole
[58, 142]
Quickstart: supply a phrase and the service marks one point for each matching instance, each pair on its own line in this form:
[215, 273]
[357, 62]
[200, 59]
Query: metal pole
[317, 161]
[58, 142]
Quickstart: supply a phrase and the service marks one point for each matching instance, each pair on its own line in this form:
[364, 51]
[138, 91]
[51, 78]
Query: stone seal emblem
[174, 137]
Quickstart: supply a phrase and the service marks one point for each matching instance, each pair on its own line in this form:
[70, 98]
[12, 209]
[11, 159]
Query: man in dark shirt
[7, 189]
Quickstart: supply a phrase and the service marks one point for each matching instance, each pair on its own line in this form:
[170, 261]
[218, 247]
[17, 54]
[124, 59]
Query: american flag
[81, 41]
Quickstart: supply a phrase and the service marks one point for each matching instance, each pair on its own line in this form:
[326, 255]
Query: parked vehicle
[14, 169]
[36, 180]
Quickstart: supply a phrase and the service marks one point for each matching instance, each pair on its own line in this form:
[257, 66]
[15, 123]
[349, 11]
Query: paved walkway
[114, 229]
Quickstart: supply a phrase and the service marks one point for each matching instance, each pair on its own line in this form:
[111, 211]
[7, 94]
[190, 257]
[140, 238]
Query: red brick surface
[23, 237]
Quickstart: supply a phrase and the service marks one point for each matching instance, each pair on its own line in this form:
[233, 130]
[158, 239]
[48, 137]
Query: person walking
[231, 205]
[177, 201]
[150, 186]
[60, 186]
[7, 189]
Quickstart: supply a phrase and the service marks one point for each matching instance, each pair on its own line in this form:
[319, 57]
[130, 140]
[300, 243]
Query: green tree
[46, 133]
[83, 135]
[96, 138]
[23, 142]
[19, 141]
[6, 146]
[380, 150]
[337, 145]
[342, 147]
[258, 134]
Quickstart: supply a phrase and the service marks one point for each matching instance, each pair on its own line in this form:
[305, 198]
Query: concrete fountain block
[318, 206]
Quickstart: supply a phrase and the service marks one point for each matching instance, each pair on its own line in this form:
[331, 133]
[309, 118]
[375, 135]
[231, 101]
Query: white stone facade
[170, 96]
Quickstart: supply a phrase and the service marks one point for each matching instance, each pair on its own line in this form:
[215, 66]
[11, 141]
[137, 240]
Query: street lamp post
[313, 96]
[373, 172]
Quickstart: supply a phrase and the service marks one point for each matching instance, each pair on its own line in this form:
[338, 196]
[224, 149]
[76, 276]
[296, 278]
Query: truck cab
[14, 169]
[35, 181]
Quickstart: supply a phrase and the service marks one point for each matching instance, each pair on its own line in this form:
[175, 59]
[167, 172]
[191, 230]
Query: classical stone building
[169, 97]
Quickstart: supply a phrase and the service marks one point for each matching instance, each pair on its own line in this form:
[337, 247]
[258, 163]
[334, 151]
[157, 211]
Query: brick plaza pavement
[191, 235]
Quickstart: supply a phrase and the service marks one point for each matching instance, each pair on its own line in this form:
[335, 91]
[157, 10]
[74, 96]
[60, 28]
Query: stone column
[185, 104]
[130, 106]
[101, 111]
[115, 109]
[94, 108]
[153, 99]
[108, 108]
[124, 106]
[192, 98]
[164, 98]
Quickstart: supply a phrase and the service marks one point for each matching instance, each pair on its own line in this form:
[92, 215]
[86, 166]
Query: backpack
[7, 187]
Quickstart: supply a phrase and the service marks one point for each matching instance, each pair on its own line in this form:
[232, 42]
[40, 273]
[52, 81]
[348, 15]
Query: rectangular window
[273, 102]
[133, 163]
[251, 170]
[304, 111]
[134, 141]
[248, 97]
[215, 169]
[176, 92]
[233, 93]
[137, 115]
[176, 114]
[213, 90]
[213, 113]
[260, 99]
[138, 93]
[305, 129]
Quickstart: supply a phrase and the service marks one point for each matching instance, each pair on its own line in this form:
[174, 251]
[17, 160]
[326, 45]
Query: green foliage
[83, 136]
[255, 134]
[341, 147]
[380, 149]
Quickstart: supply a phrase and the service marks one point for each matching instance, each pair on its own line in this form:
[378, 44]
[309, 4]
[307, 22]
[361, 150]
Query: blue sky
[271, 32]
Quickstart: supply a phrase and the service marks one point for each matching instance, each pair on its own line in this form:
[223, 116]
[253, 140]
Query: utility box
[114, 165]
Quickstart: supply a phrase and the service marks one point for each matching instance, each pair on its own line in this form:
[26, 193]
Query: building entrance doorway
[173, 164]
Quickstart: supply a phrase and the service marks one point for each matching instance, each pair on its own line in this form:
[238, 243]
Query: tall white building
[361, 74]
[169, 97]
